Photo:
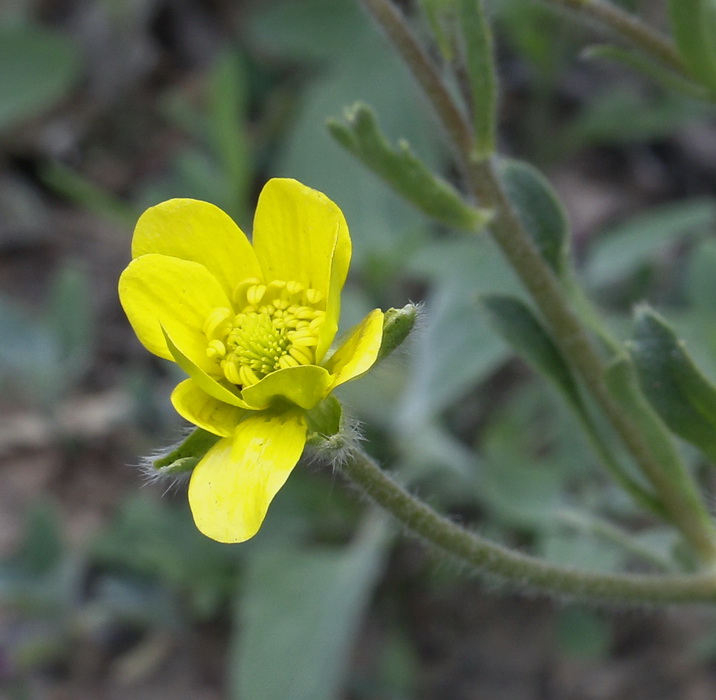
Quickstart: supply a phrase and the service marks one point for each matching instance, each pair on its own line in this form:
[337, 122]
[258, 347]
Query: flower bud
[397, 324]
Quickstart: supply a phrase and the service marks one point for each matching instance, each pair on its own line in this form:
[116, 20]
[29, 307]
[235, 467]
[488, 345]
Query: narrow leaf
[404, 171]
[540, 210]
[621, 379]
[683, 397]
[647, 67]
[479, 60]
[514, 321]
[694, 26]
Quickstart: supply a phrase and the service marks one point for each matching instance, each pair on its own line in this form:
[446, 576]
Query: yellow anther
[306, 314]
[239, 295]
[255, 294]
[303, 337]
[247, 375]
[313, 296]
[277, 326]
[231, 371]
[294, 287]
[215, 349]
[286, 361]
[302, 355]
[216, 324]
[275, 286]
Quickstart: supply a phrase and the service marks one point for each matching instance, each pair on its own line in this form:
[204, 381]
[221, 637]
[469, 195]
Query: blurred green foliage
[39, 67]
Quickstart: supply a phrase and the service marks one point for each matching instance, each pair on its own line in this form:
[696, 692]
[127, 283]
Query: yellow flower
[251, 325]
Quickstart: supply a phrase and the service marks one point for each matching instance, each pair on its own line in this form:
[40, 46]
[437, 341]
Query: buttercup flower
[252, 326]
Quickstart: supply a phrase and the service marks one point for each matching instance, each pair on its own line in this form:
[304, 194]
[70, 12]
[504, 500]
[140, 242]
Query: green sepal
[683, 397]
[404, 171]
[647, 67]
[693, 23]
[515, 322]
[540, 211]
[325, 421]
[397, 324]
[187, 454]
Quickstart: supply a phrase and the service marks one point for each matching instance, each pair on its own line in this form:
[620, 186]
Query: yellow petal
[231, 488]
[305, 385]
[358, 351]
[301, 235]
[205, 411]
[204, 381]
[198, 231]
[157, 290]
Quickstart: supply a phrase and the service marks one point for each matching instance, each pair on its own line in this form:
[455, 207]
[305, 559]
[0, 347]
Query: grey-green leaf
[38, 68]
[515, 322]
[298, 615]
[683, 397]
[540, 210]
[694, 26]
[621, 379]
[404, 171]
[480, 65]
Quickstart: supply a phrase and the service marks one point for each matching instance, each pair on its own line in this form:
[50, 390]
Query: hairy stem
[520, 569]
[684, 505]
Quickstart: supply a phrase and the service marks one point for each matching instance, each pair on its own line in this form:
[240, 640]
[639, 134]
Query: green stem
[684, 505]
[630, 28]
[520, 569]
[452, 118]
[480, 63]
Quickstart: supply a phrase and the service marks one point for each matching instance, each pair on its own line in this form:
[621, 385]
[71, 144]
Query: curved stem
[424, 70]
[684, 505]
[522, 570]
[630, 28]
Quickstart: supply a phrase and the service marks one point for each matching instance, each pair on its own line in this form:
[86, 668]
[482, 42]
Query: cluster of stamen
[276, 327]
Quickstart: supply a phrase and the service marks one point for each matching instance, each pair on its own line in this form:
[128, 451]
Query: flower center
[276, 327]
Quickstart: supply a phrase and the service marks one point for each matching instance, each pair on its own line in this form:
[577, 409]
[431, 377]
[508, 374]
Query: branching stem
[683, 505]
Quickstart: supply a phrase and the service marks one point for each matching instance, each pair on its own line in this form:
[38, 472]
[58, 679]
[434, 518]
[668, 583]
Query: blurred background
[106, 589]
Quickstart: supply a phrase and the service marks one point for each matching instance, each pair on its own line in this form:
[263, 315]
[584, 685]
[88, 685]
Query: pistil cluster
[276, 327]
